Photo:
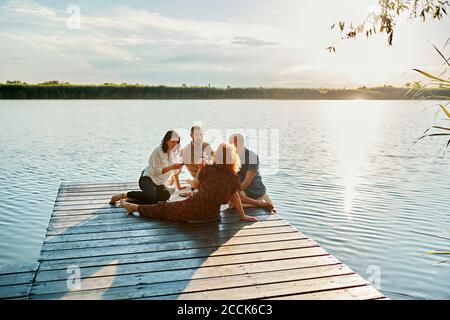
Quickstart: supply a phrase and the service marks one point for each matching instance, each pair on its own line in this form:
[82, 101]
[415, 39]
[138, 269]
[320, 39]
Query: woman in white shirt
[161, 164]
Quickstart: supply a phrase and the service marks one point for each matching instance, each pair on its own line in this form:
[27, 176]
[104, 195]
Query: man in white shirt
[197, 153]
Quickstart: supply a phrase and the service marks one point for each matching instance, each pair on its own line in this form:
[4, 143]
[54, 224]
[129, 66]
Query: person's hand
[177, 166]
[248, 218]
[269, 207]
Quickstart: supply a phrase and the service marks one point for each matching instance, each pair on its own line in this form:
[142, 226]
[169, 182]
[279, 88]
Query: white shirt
[159, 160]
[193, 154]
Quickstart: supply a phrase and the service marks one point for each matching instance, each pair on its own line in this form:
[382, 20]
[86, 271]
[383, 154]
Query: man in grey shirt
[253, 191]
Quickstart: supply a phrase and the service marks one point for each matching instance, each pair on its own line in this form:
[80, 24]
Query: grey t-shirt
[250, 162]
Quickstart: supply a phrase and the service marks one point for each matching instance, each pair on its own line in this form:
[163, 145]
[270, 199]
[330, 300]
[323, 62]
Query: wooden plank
[143, 224]
[75, 197]
[119, 213]
[93, 190]
[100, 194]
[103, 193]
[164, 246]
[104, 205]
[155, 226]
[94, 183]
[81, 191]
[85, 199]
[97, 220]
[214, 285]
[175, 255]
[222, 218]
[80, 211]
[112, 218]
[96, 187]
[72, 213]
[112, 189]
[18, 268]
[114, 209]
[104, 221]
[16, 278]
[18, 291]
[220, 271]
[260, 290]
[113, 215]
[293, 258]
[366, 292]
[82, 202]
[184, 236]
[162, 231]
[90, 193]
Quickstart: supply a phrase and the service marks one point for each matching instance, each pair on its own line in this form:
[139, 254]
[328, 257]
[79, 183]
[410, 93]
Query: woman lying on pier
[154, 177]
[217, 184]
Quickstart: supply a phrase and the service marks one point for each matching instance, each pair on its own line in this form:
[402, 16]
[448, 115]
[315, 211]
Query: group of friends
[230, 174]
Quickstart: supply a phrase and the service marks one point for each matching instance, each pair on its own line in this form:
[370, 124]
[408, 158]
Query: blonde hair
[226, 155]
[237, 139]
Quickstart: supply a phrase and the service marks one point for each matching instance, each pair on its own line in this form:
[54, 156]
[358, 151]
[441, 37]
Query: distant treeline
[56, 90]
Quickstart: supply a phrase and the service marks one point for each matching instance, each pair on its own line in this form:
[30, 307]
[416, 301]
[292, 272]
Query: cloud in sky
[252, 42]
[24, 7]
[154, 43]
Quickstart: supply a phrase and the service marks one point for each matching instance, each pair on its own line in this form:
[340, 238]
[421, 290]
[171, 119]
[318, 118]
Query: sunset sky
[198, 42]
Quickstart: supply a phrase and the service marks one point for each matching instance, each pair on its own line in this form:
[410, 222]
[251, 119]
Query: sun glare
[351, 128]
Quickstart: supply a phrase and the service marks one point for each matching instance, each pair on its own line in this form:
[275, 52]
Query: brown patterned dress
[216, 188]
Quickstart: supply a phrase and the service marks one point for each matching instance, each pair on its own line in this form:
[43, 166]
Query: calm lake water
[347, 175]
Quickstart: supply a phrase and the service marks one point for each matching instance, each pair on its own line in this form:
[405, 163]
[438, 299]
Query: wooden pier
[95, 251]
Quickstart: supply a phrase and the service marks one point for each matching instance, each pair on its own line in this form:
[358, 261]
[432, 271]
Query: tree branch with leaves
[383, 18]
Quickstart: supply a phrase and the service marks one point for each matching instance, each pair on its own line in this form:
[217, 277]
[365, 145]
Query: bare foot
[186, 194]
[130, 207]
[117, 197]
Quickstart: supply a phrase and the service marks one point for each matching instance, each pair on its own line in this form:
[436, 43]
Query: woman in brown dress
[217, 184]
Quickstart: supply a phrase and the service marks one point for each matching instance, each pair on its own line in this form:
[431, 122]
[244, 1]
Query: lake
[345, 173]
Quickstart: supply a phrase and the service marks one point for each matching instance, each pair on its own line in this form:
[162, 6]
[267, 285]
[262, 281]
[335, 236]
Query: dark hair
[167, 137]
